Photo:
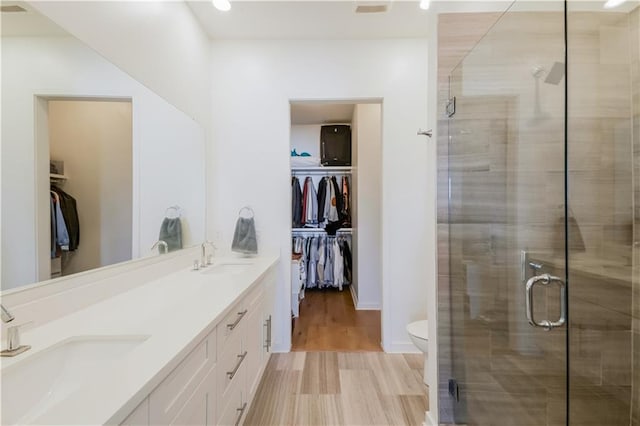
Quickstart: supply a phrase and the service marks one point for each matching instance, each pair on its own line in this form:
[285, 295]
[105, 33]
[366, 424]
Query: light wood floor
[328, 321]
[335, 388]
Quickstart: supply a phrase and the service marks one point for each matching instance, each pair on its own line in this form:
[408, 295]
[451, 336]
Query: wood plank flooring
[337, 388]
[329, 322]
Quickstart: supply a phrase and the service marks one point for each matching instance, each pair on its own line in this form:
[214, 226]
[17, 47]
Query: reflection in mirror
[96, 168]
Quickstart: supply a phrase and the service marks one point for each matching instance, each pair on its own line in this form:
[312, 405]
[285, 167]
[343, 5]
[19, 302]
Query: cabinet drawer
[200, 409]
[234, 404]
[230, 363]
[170, 396]
[231, 324]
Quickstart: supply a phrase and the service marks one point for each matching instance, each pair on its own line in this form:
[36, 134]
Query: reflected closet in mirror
[122, 192]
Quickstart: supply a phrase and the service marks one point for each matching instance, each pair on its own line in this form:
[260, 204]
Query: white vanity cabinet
[215, 382]
[139, 416]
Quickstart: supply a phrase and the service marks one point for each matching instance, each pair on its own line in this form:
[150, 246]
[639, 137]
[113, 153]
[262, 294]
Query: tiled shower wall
[634, 51]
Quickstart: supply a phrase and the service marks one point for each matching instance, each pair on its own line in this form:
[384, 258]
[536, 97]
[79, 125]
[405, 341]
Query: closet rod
[319, 230]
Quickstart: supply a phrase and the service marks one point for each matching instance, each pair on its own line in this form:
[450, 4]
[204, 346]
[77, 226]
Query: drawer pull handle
[267, 324]
[235, 369]
[240, 316]
[240, 413]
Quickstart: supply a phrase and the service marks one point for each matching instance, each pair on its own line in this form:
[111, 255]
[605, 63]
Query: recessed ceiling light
[613, 3]
[424, 4]
[222, 5]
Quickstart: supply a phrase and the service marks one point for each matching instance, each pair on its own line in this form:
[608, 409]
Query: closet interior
[324, 222]
[90, 198]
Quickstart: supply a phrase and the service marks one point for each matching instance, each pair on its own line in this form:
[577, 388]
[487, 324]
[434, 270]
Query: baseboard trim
[429, 420]
[280, 348]
[368, 307]
[402, 348]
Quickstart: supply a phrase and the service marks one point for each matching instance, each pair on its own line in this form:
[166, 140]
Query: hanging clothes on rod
[59, 232]
[324, 202]
[296, 202]
[64, 217]
[346, 204]
[309, 204]
[325, 260]
[328, 208]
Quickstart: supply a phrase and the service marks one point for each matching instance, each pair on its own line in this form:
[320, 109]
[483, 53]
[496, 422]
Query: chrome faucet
[6, 315]
[161, 243]
[204, 260]
[13, 335]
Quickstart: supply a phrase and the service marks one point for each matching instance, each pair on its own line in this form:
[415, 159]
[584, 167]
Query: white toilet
[419, 334]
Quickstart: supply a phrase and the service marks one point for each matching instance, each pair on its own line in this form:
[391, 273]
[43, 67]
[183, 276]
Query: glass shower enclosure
[539, 302]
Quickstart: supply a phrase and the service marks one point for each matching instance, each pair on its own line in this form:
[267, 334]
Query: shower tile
[616, 358]
[607, 406]
[614, 44]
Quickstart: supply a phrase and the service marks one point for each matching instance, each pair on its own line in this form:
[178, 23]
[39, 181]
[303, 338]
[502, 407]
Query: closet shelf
[323, 169]
[57, 177]
[312, 230]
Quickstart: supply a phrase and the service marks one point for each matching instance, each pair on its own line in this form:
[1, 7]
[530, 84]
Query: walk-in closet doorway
[336, 250]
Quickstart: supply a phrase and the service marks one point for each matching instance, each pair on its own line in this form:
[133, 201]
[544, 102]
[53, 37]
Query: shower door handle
[545, 279]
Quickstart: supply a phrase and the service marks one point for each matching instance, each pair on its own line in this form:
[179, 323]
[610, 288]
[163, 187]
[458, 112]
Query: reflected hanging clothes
[69, 211]
[65, 225]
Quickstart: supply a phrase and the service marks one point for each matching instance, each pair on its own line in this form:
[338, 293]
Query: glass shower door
[503, 357]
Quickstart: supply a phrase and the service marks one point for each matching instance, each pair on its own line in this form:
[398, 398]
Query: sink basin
[33, 386]
[227, 268]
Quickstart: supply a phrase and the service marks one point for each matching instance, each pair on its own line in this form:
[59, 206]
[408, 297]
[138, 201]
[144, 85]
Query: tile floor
[339, 388]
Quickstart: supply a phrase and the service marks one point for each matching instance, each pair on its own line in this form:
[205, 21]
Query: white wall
[369, 206]
[253, 82]
[432, 416]
[94, 140]
[306, 138]
[159, 43]
[169, 147]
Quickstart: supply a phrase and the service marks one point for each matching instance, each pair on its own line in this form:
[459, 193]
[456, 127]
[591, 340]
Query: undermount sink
[227, 268]
[31, 387]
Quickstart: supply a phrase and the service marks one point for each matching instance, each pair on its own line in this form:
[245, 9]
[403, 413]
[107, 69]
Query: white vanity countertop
[176, 312]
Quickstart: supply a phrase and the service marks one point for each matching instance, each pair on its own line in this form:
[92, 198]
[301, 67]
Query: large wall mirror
[96, 168]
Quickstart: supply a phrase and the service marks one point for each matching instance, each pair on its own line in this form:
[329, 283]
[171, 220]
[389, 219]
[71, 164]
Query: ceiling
[336, 19]
[321, 113]
[310, 20]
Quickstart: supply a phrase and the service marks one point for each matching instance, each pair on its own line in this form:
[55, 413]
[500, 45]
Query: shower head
[555, 75]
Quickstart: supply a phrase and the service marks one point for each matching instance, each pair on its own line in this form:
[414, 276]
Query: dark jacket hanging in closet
[69, 209]
[296, 202]
[322, 194]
